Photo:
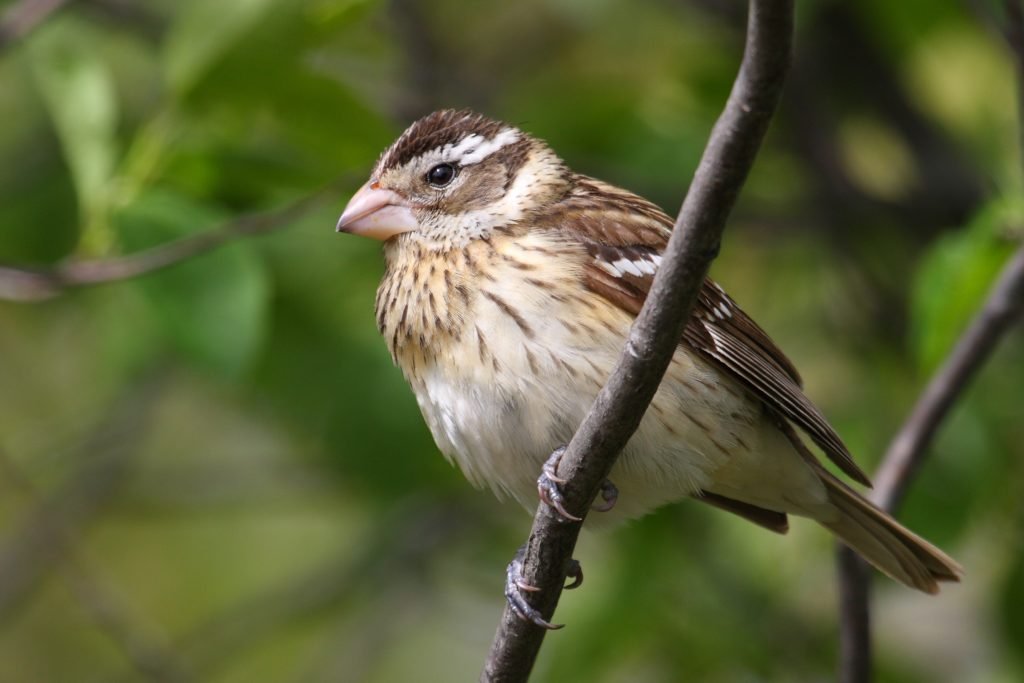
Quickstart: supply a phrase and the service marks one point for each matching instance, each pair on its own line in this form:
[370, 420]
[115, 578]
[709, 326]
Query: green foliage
[202, 32]
[78, 88]
[1009, 608]
[213, 308]
[957, 273]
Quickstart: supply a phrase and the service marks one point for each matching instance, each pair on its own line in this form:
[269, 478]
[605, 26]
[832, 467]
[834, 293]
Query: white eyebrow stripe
[454, 152]
[474, 148]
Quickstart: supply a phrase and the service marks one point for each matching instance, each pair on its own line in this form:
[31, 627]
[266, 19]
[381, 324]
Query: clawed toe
[576, 574]
[549, 489]
[515, 586]
[610, 496]
[550, 467]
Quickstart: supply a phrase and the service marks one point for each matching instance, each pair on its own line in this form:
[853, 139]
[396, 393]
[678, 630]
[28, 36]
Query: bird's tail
[881, 540]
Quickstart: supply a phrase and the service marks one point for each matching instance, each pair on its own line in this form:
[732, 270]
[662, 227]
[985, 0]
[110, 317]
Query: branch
[39, 543]
[909, 448]
[23, 17]
[134, 16]
[854, 617]
[138, 640]
[393, 552]
[29, 284]
[620, 405]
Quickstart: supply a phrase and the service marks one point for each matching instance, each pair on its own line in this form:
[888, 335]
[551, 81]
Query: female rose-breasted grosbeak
[510, 287]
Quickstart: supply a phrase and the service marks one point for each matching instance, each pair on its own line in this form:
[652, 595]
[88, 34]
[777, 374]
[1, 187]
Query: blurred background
[214, 473]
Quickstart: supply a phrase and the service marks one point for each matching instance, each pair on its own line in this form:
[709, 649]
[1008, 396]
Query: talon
[547, 487]
[515, 585]
[610, 495]
[550, 468]
[576, 574]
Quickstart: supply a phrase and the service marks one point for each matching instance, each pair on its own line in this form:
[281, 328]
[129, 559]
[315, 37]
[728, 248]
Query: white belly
[524, 370]
[500, 423]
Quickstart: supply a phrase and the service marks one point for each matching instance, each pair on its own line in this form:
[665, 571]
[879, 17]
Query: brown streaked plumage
[510, 286]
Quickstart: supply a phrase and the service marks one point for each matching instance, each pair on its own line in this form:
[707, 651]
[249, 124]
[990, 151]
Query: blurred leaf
[37, 206]
[213, 307]
[1012, 598]
[202, 32]
[78, 90]
[956, 274]
[876, 158]
[238, 139]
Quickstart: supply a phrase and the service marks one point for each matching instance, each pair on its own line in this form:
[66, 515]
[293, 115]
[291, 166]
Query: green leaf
[956, 275]
[203, 32]
[213, 308]
[1012, 598]
[78, 89]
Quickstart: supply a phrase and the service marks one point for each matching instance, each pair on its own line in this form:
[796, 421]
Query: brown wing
[625, 236]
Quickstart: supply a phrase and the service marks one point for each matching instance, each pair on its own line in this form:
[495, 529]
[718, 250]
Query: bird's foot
[548, 486]
[549, 491]
[516, 588]
[610, 496]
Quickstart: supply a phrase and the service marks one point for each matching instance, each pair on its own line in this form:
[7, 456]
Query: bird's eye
[441, 175]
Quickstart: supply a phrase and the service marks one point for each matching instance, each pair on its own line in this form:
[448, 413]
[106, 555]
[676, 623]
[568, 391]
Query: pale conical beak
[377, 213]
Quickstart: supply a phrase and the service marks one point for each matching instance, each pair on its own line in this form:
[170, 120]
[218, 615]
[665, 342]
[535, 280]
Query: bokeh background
[213, 473]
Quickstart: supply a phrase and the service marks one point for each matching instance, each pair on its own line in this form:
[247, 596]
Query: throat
[422, 302]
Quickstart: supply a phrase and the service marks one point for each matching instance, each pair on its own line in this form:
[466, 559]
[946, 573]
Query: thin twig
[136, 637]
[37, 544]
[23, 17]
[47, 538]
[620, 405]
[31, 284]
[854, 617]
[140, 19]
[393, 552]
[909, 448]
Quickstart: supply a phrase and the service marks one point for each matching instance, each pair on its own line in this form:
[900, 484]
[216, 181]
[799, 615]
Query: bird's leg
[548, 489]
[515, 587]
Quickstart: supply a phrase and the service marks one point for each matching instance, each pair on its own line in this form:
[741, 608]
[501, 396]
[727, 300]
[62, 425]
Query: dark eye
[441, 175]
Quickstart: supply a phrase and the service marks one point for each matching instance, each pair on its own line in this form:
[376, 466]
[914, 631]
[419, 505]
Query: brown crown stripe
[448, 126]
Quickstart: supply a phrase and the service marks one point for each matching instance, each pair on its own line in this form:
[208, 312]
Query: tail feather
[885, 543]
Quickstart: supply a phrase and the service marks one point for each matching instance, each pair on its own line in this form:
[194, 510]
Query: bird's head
[451, 177]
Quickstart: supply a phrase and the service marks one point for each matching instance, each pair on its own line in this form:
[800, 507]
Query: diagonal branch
[21, 18]
[31, 284]
[910, 446]
[620, 405]
[42, 541]
[908, 449]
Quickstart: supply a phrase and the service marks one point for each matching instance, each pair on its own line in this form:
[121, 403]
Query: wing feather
[625, 248]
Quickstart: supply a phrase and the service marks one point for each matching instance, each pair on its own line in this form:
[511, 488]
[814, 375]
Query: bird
[510, 286]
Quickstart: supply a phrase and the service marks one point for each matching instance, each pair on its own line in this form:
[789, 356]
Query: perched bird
[511, 283]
